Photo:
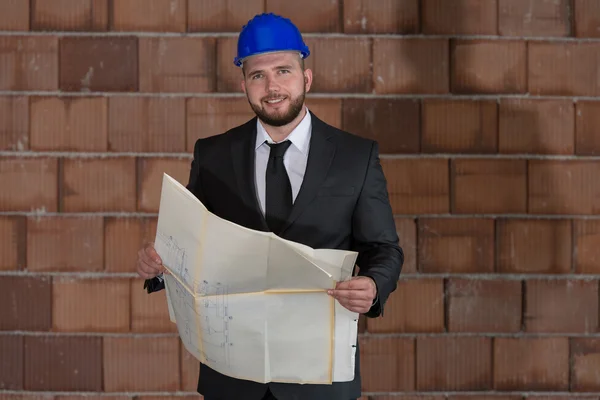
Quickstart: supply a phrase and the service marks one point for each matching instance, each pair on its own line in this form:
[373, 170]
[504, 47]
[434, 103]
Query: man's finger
[148, 268]
[350, 294]
[356, 303]
[357, 283]
[152, 254]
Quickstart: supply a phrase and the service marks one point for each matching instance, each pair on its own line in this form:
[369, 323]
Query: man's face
[275, 86]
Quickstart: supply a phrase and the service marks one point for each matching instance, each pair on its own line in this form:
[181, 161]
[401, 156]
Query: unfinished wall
[488, 117]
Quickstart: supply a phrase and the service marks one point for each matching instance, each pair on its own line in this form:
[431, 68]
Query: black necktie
[279, 189]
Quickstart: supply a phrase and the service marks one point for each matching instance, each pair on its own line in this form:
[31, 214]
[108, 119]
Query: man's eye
[256, 76]
[285, 71]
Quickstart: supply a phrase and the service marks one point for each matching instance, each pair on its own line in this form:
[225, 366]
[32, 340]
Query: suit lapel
[242, 155]
[321, 152]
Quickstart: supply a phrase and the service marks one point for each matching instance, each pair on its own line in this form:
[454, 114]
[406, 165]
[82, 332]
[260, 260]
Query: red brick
[383, 16]
[327, 110]
[212, 116]
[98, 397]
[586, 242]
[139, 364]
[190, 370]
[146, 124]
[123, 237]
[323, 17]
[564, 187]
[29, 63]
[64, 243]
[459, 126]
[177, 64]
[454, 363]
[37, 396]
[63, 363]
[15, 15]
[587, 18]
[410, 66]
[149, 312]
[11, 368]
[504, 63]
[463, 17]
[27, 303]
[418, 186]
[550, 254]
[531, 364]
[489, 186]
[151, 172]
[90, 305]
[99, 63]
[387, 364]
[229, 77]
[587, 121]
[563, 68]
[378, 119]
[14, 123]
[340, 64]
[69, 123]
[158, 15]
[484, 305]
[536, 126]
[416, 306]
[69, 15]
[406, 228]
[534, 18]
[106, 184]
[221, 16]
[40, 192]
[567, 397]
[13, 246]
[561, 306]
[586, 363]
[405, 397]
[490, 397]
[456, 245]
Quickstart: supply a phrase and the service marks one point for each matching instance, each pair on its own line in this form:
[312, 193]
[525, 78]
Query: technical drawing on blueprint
[174, 256]
[214, 321]
[204, 318]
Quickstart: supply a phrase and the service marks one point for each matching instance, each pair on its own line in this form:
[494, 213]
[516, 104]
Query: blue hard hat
[266, 33]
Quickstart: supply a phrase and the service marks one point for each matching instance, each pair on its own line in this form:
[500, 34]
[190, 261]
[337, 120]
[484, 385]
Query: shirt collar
[299, 137]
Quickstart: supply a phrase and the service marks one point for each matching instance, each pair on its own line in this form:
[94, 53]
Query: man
[288, 172]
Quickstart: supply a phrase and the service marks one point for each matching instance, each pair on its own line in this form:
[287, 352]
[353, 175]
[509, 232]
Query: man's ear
[308, 77]
[244, 86]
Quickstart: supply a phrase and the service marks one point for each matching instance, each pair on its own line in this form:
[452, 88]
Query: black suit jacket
[342, 204]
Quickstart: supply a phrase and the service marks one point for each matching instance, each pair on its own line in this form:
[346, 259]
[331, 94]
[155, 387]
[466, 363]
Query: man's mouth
[275, 101]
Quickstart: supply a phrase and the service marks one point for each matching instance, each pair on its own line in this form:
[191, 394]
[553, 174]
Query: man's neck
[280, 133]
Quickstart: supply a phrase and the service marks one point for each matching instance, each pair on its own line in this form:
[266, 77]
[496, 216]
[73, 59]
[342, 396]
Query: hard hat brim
[238, 61]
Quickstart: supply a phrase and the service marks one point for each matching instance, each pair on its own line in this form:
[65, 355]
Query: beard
[280, 118]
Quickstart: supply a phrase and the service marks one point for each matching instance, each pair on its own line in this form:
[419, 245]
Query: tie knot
[279, 149]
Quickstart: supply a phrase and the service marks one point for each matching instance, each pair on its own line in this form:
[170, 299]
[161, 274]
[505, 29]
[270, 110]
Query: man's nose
[272, 85]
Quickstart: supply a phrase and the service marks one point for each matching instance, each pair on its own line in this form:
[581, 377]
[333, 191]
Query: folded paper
[250, 304]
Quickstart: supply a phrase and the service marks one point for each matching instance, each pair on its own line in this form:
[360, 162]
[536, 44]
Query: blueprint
[249, 304]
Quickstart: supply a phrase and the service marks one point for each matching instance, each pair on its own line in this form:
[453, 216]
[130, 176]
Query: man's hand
[357, 294]
[149, 263]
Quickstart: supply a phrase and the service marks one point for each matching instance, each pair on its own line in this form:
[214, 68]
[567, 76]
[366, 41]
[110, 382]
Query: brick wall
[487, 112]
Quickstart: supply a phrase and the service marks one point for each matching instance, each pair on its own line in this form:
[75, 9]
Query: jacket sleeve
[374, 235]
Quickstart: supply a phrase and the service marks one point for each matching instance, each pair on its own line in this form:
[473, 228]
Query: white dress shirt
[294, 160]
